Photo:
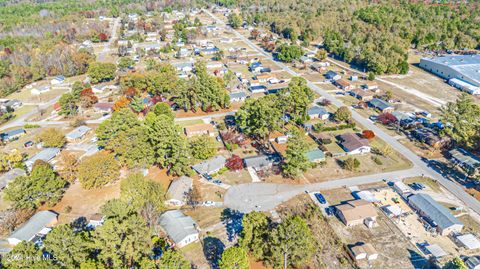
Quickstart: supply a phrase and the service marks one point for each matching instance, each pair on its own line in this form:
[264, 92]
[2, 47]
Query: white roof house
[45, 155]
[468, 241]
[178, 191]
[78, 133]
[403, 189]
[35, 228]
[181, 229]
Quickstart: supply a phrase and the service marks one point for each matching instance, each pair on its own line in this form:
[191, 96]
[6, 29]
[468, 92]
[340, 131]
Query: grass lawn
[433, 185]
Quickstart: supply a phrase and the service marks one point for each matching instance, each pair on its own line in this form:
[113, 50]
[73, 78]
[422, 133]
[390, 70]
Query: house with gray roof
[261, 162]
[210, 166]
[318, 112]
[315, 156]
[77, 133]
[45, 155]
[436, 214]
[178, 191]
[238, 96]
[381, 105]
[468, 161]
[10, 176]
[12, 135]
[181, 229]
[35, 228]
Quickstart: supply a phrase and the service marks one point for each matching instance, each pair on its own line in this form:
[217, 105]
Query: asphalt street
[263, 195]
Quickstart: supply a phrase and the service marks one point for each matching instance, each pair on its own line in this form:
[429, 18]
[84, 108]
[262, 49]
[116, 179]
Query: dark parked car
[320, 198]
[218, 182]
[207, 177]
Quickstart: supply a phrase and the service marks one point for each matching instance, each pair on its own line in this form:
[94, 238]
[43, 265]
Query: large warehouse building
[461, 71]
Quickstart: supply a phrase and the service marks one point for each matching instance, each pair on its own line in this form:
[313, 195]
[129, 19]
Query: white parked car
[209, 203]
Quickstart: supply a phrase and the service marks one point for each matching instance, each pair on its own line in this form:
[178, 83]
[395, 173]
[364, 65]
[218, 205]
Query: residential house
[467, 241]
[318, 112]
[344, 85]
[361, 251]
[95, 221]
[257, 89]
[182, 53]
[46, 155]
[372, 86]
[278, 137]
[181, 229]
[332, 75]
[263, 77]
[321, 138]
[438, 216]
[381, 105]
[315, 156]
[238, 96]
[353, 144]
[255, 67]
[305, 60]
[214, 65]
[178, 190]
[40, 90]
[428, 137]
[103, 107]
[468, 161]
[184, 67]
[34, 229]
[361, 95]
[356, 212]
[57, 80]
[210, 166]
[199, 129]
[10, 176]
[12, 135]
[77, 133]
[261, 162]
[14, 104]
[320, 66]
[265, 70]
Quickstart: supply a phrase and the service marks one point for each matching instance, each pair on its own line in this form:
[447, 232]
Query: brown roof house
[353, 144]
[344, 85]
[199, 129]
[362, 95]
[357, 212]
[361, 251]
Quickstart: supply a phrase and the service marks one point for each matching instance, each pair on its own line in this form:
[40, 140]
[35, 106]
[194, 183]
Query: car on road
[330, 211]
[373, 118]
[320, 198]
[216, 181]
[207, 176]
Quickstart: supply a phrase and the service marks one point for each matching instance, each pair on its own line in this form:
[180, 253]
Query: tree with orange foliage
[88, 98]
[368, 134]
[121, 102]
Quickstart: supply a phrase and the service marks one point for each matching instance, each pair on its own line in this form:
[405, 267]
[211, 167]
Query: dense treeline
[370, 35]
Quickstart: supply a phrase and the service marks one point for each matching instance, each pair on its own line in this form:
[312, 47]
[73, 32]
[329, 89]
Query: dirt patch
[160, 176]
[84, 202]
[184, 114]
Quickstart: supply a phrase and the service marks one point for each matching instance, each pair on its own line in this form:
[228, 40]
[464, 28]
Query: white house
[40, 90]
[238, 96]
[57, 80]
[35, 228]
[353, 144]
[181, 229]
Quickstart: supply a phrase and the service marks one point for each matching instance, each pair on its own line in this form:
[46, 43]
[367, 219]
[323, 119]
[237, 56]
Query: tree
[343, 114]
[321, 54]
[163, 109]
[463, 123]
[121, 102]
[10, 160]
[234, 163]
[387, 118]
[26, 255]
[289, 53]
[203, 147]
[235, 20]
[371, 76]
[68, 105]
[68, 248]
[297, 98]
[42, 186]
[254, 34]
[173, 260]
[291, 243]
[259, 117]
[69, 166]
[234, 258]
[52, 137]
[388, 95]
[296, 160]
[131, 147]
[125, 63]
[254, 233]
[121, 120]
[351, 164]
[97, 170]
[101, 72]
[88, 98]
[142, 194]
[194, 197]
[368, 134]
[122, 243]
[455, 263]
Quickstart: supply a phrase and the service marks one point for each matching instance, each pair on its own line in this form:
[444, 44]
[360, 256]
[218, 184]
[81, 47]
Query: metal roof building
[78, 132]
[181, 229]
[463, 67]
[436, 213]
[466, 159]
[36, 226]
[45, 155]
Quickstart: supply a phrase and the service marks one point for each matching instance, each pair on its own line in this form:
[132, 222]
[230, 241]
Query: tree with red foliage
[368, 134]
[325, 102]
[130, 92]
[387, 118]
[234, 163]
[88, 98]
[103, 37]
[254, 34]
[7, 51]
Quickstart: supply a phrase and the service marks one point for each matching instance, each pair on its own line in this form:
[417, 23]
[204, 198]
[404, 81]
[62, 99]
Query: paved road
[113, 37]
[264, 197]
